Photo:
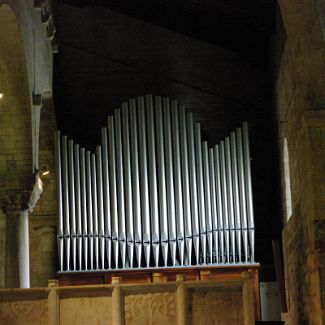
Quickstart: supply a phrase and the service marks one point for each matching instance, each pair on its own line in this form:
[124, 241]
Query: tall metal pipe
[113, 192]
[84, 212]
[249, 191]
[135, 181]
[170, 181]
[78, 204]
[58, 169]
[201, 198]
[234, 177]
[90, 221]
[72, 205]
[230, 202]
[107, 204]
[242, 192]
[193, 184]
[224, 191]
[100, 206]
[145, 211]
[66, 217]
[154, 213]
[207, 195]
[185, 181]
[161, 179]
[95, 208]
[217, 171]
[120, 186]
[127, 183]
[178, 182]
[214, 213]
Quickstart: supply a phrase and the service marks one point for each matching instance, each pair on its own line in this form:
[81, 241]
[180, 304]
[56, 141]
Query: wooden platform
[180, 302]
[164, 275]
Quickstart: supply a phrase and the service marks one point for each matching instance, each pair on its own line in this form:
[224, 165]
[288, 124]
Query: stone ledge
[313, 118]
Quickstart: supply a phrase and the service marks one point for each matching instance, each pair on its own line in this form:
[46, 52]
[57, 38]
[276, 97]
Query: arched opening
[286, 166]
[15, 134]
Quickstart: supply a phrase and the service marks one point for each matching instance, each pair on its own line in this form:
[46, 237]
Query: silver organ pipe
[106, 197]
[100, 205]
[178, 183]
[194, 199]
[78, 204]
[152, 192]
[127, 184]
[185, 182]
[135, 182]
[90, 210]
[60, 231]
[249, 191]
[172, 235]
[146, 233]
[161, 180]
[83, 183]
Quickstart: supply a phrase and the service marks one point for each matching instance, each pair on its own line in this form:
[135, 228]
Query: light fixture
[45, 170]
[1, 95]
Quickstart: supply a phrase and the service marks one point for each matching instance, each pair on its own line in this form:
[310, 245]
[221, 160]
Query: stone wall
[21, 30]
[300, 104]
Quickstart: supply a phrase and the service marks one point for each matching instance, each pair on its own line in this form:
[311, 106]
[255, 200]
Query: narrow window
[287, 179]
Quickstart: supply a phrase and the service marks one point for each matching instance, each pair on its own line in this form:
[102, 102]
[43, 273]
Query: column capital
[15, 200]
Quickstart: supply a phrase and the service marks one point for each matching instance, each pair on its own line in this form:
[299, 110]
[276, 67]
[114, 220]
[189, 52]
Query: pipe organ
[153, 194]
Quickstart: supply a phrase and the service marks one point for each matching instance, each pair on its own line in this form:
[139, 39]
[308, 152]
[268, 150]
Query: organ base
[165, 275]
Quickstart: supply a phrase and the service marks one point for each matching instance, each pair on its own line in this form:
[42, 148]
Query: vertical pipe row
[154, 188]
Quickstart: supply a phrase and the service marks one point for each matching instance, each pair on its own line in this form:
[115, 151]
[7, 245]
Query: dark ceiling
[244, 26]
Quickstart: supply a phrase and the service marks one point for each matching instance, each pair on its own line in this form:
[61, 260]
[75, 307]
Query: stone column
[17, 205]
[23, 249]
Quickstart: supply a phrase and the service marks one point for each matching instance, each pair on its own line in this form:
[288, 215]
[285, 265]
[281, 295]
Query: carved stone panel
[86, 311]
[24, 312]
[150, 309]
[217, 307]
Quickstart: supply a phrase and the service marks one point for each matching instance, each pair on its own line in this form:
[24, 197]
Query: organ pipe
[152, 191]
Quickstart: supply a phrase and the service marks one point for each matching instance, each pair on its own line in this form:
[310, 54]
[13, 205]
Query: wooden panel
[150, 309]
[85, 311]
[24, 312]
[217, 307]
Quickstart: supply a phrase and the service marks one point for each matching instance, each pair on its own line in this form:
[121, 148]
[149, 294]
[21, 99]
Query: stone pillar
[23, 249]
[16, 206]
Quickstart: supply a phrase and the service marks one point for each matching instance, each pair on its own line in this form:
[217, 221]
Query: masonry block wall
[300, 104]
